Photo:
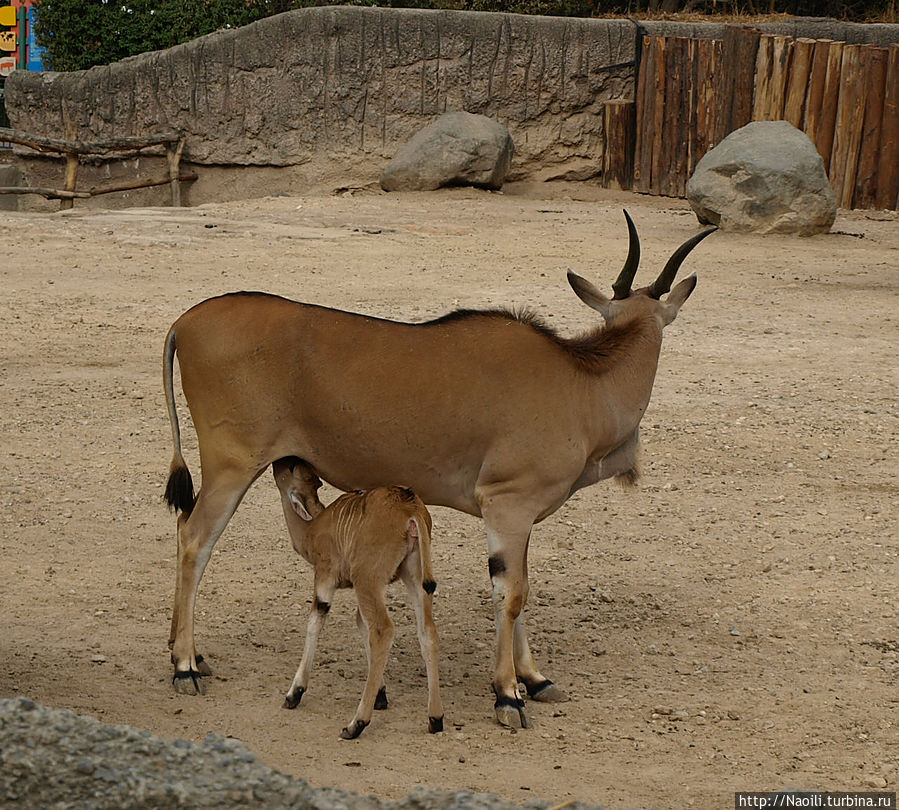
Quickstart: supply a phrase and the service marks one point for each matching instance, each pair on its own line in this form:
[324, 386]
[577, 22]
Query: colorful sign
[7, 15]
[35, 52]
[7, 65]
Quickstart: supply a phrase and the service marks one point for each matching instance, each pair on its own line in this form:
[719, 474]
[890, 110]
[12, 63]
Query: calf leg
[381, 703]
[321, 604]
[427, 636]
[380, 637]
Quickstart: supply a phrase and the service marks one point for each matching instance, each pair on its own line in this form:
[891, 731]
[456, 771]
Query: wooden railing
[73, 151]
[691, 93]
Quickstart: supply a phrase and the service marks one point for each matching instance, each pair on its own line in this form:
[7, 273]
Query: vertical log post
[869, 149]
[797, 81]
[828, 116]
[173, 155]
[763, 68]
[643, 147]
[658, 113]
[887, 195]
[671, 180]
[618, 160]
[814, 96]
[737, 58]
[71, 179]
[850, 118]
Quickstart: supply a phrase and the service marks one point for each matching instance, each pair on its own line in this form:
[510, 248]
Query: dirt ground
[730, 625]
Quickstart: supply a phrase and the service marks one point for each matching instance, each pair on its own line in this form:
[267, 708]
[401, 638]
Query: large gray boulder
[457, 149]
[765, 177]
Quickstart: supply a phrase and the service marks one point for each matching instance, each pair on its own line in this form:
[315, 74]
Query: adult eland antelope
[487, 412]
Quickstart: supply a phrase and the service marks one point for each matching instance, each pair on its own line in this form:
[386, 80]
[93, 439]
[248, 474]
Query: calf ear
[298, 506]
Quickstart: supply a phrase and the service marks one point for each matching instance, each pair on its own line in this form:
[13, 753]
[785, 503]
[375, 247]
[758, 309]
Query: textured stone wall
[52, 758]
[351, 84]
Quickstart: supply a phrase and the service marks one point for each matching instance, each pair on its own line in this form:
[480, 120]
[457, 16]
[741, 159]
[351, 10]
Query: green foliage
[82, 33]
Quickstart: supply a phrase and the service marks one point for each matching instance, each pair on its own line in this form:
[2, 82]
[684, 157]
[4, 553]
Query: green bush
[81, 33]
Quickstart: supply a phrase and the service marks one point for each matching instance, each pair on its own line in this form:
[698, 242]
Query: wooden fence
[692, 92]
[74, 151]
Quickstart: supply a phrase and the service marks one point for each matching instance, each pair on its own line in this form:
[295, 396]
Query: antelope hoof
[381, 699]
[292, 700]
[353, 730]
[510, 713]
[202, 667]
[435, 725]
[188, 683]
[547, 692]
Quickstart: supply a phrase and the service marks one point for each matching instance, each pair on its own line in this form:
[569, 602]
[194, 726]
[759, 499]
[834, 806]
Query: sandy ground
[730, 625]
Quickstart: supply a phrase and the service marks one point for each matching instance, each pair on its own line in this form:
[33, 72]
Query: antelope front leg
[508, 550]
[540, 688]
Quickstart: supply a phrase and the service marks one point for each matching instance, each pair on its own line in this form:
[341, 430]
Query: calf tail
[424, 533]
[179, 490]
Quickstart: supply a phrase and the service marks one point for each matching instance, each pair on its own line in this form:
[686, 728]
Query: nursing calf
[365, 541]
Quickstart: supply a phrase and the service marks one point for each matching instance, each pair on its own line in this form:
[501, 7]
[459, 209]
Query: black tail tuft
[429, 585]
[179, 491]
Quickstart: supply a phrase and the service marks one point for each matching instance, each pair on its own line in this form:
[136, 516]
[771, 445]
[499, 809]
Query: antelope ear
[589, 294]
[298, 506]
[677, 296]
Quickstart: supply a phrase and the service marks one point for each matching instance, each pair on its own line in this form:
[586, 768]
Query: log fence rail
[74, 151]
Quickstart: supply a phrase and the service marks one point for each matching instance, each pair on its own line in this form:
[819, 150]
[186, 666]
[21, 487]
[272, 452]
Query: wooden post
[671, 179]
[869, 151]
[643, 147]
[71, 179]
[780, 66]
[762, 77]
[658, 113]
[738, 60]
[772, 67]
[618, 160]
[828, 115]
[850, 118]
[887, 195]
[173, 154]
[797, 81]
[814, 97]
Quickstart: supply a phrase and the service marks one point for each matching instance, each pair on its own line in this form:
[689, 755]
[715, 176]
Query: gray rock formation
[457, 149]
[344, 87]
[51, 758]
[765, 177]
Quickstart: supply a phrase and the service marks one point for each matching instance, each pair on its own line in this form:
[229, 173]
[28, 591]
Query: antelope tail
[179, 490]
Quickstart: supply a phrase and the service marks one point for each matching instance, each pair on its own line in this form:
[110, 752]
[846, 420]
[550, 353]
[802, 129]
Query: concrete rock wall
[349, 85]
[52, 758]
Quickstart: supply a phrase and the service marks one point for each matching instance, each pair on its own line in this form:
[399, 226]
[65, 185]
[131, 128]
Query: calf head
[299, 487]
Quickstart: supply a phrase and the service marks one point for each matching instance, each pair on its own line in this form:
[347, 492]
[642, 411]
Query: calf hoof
[381, 700]
[353, 730]
[510, 713]
[188, 683]
[547, 692]
[292, 700]
[435, 724]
